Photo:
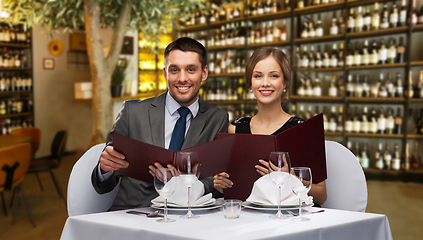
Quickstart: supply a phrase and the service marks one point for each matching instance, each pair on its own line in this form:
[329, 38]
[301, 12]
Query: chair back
[346, 183]
[15, 160]
[82, 197]
[58, 145]
[34, 133]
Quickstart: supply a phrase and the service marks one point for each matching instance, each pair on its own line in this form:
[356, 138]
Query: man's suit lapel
[196, 127]
[157, 117]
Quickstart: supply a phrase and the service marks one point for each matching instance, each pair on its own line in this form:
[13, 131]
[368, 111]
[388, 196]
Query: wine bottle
[390, 122]
[319, 60]
[367, 20]
[357, 54]
[384, 24]
[382, 87]
[304, 58]
[311, 28]
[356, 123]
[409, 89]
[326, 57]
[350, 56]
[394, 16]
[311, 57]
[406, 164]
[373, 127]
[339, 121]
[334, 27]
[317, 89]
[349, 121]
[366, 86]
[351, 21]
[319, 28]
[365, 57]
[350, 86]
[364, 158]
[364, 126]
[374, 56]
[383, 52]
[399, 90]
[413, 15]
[308, 87]
[387, 157]
[400, 51]
[375, 17]
[396, 161]
[398, 122]
[333, 90]
[305, 29]
[389, 85]
[415, 161]
[419, 89]
[392, 51]
[381, 122]
[284, 31]
[379, 157]
[334, 56]
[359, 21]
[332, 119]
[403, 13]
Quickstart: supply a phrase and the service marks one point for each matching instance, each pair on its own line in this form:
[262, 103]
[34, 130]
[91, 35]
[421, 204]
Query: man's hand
[221, 181]
[158, 165]
[111, 160]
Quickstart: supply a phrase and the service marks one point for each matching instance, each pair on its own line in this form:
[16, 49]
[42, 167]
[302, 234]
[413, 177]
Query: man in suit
[153, 120]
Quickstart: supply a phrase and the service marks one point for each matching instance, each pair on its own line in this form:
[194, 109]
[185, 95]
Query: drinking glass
[304, 175]
[279, 171]
[188, 165]
[165, 183]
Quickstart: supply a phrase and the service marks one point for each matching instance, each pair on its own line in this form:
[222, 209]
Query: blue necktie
[178, 134]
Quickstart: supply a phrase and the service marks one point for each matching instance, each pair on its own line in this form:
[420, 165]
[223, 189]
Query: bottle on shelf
[326, 57]
[409, 89]
[403, 14]
[356, 123]
[319, 60]
[357, 54]
[350, 86]
[350, 56]
[392, 51]
[334, 30]
[349, 121]
[419, 89]
[332, 120]
[413, 15]
[304, 58]
[359, 21]
[373, 122]
[367, 20]
[398, 122]
[334, 56]
[333, 90]
[381, 122]
[411, 124]
[341, 24]
[384, 18]
[317, 89]
[383, 52]
[400, 51]
[339, 121]
[396, 161]
[364, 125]
[387, 157]
[406, 163]
[364, 158]
[415, 161]
[312, 58]
[284, 32]
[375, 17]
[351, 21]
[390, 121]
[399, 89]
[374, 54]
[379, 157]
[319, 28]
[358, 87]
[394, 16]
[389, 85]
[382, 87]
[365, 54]
[305, 28]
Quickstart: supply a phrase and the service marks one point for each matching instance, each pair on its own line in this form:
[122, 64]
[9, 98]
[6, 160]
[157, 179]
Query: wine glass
[188, 165]
[165, 183]
[279, 171]
[304, 175]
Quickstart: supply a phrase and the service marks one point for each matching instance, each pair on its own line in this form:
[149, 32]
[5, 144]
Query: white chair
[82, 197]
[345, 184]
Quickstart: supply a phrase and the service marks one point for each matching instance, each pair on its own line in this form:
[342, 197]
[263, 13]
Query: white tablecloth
[252, 224]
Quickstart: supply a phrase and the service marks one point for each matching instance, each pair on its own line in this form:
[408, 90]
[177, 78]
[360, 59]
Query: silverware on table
[148, 214]
[296, 214]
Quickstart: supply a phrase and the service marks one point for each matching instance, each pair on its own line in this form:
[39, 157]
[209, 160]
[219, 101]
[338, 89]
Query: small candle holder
[232, 208]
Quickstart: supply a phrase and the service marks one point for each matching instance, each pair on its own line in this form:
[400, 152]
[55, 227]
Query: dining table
[251, 224]
[10, 140]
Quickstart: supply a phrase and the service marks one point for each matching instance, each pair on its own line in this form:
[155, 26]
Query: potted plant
[118, 76]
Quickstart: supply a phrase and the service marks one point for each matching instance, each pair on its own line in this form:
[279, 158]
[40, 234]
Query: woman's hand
[263, 169]
[221, 181]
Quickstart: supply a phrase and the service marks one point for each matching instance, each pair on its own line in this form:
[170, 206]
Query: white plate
[185, 208]
[272, 207]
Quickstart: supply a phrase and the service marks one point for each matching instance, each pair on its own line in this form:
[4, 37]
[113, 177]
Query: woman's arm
[318, 191]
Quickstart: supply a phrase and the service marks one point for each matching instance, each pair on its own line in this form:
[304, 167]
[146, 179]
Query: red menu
[305, 143]
[214, 156]
[236, 154]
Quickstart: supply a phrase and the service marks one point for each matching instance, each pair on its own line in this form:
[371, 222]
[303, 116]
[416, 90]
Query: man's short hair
[186, 44]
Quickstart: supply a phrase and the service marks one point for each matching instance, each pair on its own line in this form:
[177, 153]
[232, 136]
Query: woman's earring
[284, 90]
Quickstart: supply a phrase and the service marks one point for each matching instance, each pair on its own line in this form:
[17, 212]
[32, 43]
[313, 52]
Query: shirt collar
[172, 105]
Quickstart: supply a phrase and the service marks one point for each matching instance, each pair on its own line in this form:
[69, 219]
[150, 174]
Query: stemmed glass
[304, 175]
[279, 171]
[165, 183]
[188, 165]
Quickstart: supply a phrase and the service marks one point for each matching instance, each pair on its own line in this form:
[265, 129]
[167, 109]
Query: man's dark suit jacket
[145, 121]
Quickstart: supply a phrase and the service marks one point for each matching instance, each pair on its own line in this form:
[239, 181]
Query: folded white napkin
[179, 198]
[265, 192]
